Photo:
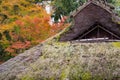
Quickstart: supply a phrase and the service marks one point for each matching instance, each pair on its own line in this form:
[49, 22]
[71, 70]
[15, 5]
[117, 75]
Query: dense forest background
[25, 23]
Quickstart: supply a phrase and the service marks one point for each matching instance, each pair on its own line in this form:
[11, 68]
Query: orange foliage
[10, 50]
[33, 30]
[18, 45]
[26, 25]
[19, 22]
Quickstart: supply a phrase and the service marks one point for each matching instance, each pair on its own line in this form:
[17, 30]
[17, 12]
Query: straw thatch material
[87, 16]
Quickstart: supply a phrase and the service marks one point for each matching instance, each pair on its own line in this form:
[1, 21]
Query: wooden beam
[88, 32]
[109, 32]
[98, 26]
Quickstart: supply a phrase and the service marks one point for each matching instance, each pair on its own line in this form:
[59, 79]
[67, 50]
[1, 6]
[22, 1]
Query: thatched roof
[88, 15]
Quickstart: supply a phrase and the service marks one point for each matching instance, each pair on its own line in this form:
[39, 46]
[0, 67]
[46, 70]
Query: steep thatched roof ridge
[106, 6]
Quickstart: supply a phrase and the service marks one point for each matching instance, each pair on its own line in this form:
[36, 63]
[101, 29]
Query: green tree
[117, 5]
[64, 7]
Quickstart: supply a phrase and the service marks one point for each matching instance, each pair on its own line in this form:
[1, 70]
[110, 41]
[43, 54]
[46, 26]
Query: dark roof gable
[87, 16]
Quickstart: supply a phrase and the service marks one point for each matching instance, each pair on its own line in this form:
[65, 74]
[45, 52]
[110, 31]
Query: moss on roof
[64, 60]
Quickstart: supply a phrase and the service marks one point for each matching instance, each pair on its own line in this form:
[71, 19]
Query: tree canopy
[23, 24]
